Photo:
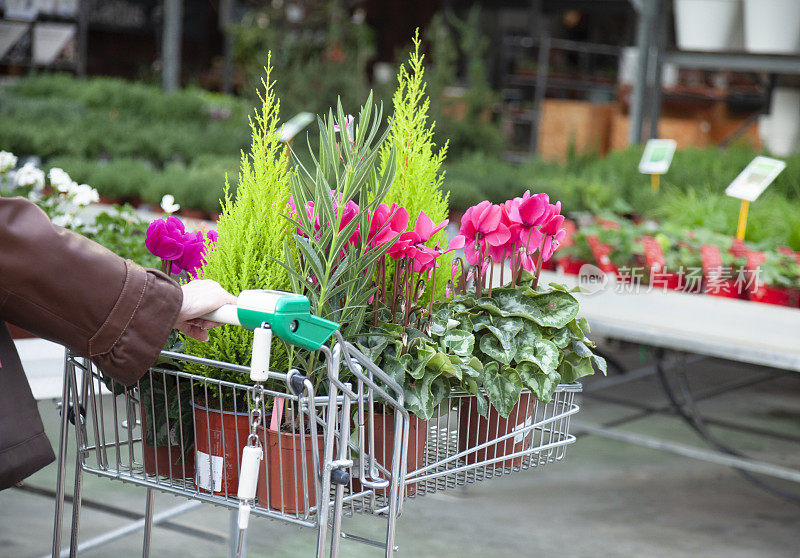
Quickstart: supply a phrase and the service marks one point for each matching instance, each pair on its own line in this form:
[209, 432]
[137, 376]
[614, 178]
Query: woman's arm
[68, 289]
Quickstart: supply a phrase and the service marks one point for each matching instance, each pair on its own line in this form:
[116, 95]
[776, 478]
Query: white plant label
[209, 467]
[657, 156]
[294, 125]
[522, 435]
[755, 178]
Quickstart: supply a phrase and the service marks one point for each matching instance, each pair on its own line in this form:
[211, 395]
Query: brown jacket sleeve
[68, 289]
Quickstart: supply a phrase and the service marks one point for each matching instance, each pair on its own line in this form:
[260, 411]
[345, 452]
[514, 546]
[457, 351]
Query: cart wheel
[71, 413]
[340, 476]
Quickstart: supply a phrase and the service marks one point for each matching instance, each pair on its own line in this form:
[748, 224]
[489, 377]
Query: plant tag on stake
[750, 183]
[293, 127]
[656, 159]
[755, 178]
[657, 156]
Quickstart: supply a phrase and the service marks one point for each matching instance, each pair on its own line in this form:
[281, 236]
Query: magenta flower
[412, 243]
[193, 256]
[386, 224]
[350, 212]
[164, 238]
[482, 225]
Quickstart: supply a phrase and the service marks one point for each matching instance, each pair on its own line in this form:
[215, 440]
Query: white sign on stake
[657, 156]
[755, 178]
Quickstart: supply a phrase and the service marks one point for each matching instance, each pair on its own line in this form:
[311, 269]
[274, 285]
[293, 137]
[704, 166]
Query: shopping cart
[354, 450]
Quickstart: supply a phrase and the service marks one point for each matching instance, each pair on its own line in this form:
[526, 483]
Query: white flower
[63, 220]
[59, 179]
[83, 194]
[168, 204]
[31, 176]
[7, 161]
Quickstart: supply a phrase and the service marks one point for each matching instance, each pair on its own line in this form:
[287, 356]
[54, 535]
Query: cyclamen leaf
[480, 321]
[471, 386]
[601, 364]
[561, 337]
[581, 349]
[542, 384]
[503, 390]
[440, 364]
[423, 356]
[575, 367]
[422, 397]
[548, 309]
[458, 342]
[491, 345]
[542, 353]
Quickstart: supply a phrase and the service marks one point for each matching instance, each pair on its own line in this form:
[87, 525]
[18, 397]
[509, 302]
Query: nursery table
[731, 329]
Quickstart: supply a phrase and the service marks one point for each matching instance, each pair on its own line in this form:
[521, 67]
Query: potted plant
[511, 343]
[333, 259]
[253, 237]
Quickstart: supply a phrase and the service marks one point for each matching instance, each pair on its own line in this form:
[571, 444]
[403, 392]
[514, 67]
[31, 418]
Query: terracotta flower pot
[285, 472]
[475, 430]
[219, 440]
[384, 448]
[164, 461]
[780, 296]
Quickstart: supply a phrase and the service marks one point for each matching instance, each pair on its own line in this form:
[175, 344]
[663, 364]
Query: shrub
[252, 235]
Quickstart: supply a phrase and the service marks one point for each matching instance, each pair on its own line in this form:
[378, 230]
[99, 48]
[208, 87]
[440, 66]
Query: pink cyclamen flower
[386, 224]
[164, 238]
[482, 225]
[411, 242]
[309, 211]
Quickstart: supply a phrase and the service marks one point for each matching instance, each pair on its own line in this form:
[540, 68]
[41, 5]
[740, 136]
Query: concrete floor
[606, 499]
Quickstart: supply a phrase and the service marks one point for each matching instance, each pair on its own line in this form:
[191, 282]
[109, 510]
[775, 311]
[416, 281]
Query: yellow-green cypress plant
[419, 175]
[252, 234]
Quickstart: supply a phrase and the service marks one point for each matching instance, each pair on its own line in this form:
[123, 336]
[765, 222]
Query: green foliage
[418, 180]
[253, 237]
[780, 270]
[492, 347]
[335, 265]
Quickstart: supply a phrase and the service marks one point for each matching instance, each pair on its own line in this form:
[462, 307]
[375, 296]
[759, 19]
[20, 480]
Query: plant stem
[491, 275]
[538, 267]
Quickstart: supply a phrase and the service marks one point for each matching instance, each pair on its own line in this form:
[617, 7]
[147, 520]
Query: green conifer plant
[254, 236]
[419, 176]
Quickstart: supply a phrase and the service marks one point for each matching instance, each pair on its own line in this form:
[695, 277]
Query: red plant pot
[384, 448]
[780, 296]
[725, 289]
[288, 478]
[219, 440]
[475, 430]
[570, 265]
[667, 280]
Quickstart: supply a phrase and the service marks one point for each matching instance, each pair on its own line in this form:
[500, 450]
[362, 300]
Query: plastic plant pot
[708, 25]
[384, 448]
[570, 265]
[288, 469]
[780, 296]
[474, 430]
[725, 289]
[219, 440]
[772, 26]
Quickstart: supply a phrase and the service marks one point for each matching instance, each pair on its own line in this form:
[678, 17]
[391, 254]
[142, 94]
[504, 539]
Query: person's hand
[199, 298]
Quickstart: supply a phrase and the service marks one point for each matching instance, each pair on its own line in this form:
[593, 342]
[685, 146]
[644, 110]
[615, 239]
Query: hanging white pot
[772, 26]
[712, 25]
[780, 131]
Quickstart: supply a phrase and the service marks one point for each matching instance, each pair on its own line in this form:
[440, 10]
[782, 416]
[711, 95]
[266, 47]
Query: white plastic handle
[227, 314]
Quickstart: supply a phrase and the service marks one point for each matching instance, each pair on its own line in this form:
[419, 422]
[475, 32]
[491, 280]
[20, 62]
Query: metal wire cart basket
[355, 450]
